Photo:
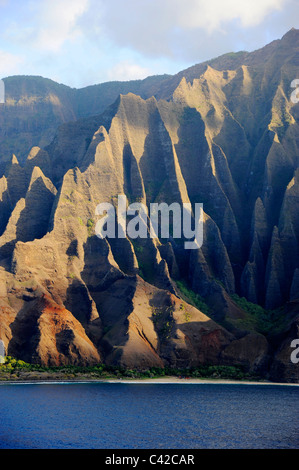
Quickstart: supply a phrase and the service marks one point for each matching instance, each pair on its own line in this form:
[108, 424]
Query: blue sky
[83, 42]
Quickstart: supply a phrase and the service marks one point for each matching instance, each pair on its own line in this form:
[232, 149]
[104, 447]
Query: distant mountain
[224, 133]
[35, 107]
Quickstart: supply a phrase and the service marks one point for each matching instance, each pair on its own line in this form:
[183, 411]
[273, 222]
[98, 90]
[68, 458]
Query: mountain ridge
[160, 86]
[225, 138]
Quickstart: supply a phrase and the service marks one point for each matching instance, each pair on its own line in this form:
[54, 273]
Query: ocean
[148, 416]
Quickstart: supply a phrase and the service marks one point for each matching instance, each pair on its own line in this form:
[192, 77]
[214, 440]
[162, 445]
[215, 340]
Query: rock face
[222, 133]
[286, 352]
[35, 107]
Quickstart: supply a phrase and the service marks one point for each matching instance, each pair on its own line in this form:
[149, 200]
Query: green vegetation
[187, 315]
[90, 225]
[13, 367]
[11, 363]
[232, 55]
[192, 298]
[259, 319]
[249, 307]
[137, 248]
[145, 262]
[262, 320]
[163, 320]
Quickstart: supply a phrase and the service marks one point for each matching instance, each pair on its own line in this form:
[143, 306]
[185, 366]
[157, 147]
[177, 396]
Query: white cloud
[9, 63]
[86, 41]
[126, 70]
[152, 27]
[212, 14]
[46, 25]
[57, 22]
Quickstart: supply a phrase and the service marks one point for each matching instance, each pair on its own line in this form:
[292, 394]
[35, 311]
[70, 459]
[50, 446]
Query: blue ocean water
[148, 416]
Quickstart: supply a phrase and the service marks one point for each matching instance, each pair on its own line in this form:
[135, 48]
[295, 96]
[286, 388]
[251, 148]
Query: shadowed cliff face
[35, 107]
[223, 133]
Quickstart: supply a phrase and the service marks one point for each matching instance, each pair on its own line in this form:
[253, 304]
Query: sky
[84, 42]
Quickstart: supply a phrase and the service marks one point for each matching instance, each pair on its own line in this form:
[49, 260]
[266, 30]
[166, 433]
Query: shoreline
[168, 380]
